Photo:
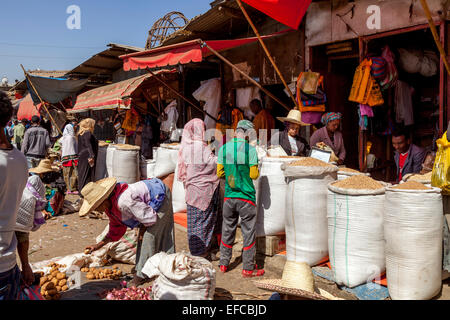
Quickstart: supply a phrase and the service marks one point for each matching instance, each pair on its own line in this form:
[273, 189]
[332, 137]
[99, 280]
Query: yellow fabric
[440, 177]
[254, 172]
[131, 120]
[317, 108]
[375, 96]
[220, 171]
[361, 83]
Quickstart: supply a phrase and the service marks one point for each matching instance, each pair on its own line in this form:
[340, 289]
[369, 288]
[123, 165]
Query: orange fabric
[168, 180]
[237, 116]
[318, 108]
[264, 120]
[180, 218]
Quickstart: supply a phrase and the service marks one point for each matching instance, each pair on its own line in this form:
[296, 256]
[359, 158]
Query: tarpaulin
[182, 53]
[54, 90]
[27, 109]
[112, 96]
[288, 12]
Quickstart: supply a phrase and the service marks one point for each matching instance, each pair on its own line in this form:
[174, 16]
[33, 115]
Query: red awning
[112, 96]
[288, 12]
[182, 53]
[27, 109]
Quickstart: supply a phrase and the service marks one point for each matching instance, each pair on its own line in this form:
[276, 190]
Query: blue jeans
[10, 284]
[33, 162]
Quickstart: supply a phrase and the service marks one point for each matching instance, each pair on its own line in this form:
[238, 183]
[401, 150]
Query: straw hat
[294, 116]
[95, 193]
[297, 280]
[44, 166]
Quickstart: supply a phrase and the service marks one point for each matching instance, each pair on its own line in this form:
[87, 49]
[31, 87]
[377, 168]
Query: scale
[320, 154]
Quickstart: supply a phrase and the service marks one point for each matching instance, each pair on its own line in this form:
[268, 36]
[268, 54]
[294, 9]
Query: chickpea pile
[53, 283]
[98, 274]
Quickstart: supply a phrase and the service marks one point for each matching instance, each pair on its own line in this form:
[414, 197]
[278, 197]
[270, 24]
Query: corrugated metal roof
[220, 22]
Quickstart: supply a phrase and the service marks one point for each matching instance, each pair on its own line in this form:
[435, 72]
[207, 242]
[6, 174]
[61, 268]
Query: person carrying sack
[238, 164]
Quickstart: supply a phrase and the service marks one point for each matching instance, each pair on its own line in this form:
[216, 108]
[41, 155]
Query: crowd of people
[219, 185]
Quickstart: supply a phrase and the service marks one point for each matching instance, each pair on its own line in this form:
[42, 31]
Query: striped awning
[116, 95]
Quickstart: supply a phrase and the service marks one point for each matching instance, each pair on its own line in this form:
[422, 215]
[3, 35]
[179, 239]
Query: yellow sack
[361, 83]
[131, 120]
[440, 178]
[375, 97]
[308, 82]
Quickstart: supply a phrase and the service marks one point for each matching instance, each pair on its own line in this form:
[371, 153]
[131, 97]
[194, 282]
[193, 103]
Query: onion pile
[132, 293]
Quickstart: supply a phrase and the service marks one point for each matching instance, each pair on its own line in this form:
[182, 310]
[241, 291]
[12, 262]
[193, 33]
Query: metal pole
[42, 102]
[245, 75]
[267, 51]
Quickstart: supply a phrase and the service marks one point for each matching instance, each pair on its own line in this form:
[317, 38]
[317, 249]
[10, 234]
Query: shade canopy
[27, 109]
[116, 95]
[183, 53]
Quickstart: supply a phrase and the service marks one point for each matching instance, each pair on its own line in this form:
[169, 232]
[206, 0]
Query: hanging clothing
[87, 149]
[197, 166]
[337, 145]
[403, 103]
[172, 117]
[210, 91]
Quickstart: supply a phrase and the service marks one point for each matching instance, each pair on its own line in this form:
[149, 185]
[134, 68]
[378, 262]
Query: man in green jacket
[19, 132]
[238, 164]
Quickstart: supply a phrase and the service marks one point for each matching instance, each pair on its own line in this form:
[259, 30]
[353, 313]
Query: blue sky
[34, 33]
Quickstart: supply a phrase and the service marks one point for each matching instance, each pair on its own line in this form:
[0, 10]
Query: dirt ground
[69, 234]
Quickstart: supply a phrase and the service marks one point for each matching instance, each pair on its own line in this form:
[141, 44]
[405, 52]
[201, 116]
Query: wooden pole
[42, 102]
[245, 75]
[435, 34]
[267, 52]
[179, 95]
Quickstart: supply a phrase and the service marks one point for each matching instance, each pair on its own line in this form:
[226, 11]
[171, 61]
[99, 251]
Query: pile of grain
[103, 144]
[285, 157]
[358, 182]
[127, 147]
[411, 185]
[310, 162]
[421, 177]
[349, 170]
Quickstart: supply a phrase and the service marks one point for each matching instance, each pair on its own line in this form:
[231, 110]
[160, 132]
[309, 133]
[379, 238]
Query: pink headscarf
[197, 166]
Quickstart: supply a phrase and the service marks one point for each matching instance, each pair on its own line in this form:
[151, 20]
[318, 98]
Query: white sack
[166, 161]
[306, 212]
[355, 235]
[243, 98]
[181, 277]
[178, 194]
[413, 224]
[109, 159]
[123, 250]
[345, 174]
[126, 165]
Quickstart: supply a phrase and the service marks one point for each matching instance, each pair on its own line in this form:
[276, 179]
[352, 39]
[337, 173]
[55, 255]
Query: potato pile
[53, 283]
[97, 274]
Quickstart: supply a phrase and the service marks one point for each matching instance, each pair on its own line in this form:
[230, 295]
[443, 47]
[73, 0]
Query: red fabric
[227, 246]
[116, 228]
[288, 12]
[401, 163]
[27, 109]
[245, 200]
[249, 247]
[182, 53]
[111, 96]
[70, 163]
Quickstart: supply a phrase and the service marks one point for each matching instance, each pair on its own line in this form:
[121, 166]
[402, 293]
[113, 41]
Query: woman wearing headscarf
[69, 158]
[330, 135]
[197, 170]
[289, 139]
[87, 152]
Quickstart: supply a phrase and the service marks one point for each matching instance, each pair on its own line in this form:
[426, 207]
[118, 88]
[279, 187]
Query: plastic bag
[440, 177]
[361, 83]
[131, 120]
[309, 82]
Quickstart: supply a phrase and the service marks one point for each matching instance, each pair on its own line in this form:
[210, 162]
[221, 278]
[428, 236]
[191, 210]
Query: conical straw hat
[44, 166]
[294, 116]
[95, 193]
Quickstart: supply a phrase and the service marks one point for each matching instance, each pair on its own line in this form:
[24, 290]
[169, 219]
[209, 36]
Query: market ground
[69, 234]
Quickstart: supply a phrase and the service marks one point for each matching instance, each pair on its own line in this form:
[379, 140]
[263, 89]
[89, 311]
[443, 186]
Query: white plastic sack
[126, 165]
[123, 250]
[413, 224]
[276, 151]
[109, 159]
[181, 277]
[345, 174]
[25, 213]
[355, 235]
[243, 98]
[306, 212]
[101, 170]
[166, 161]
[410, 60]
[148, 169]
[271, 193]
[178, 194]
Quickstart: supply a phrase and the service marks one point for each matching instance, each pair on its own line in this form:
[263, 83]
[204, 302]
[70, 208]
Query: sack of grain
[345, 173]
[271, 189]
[355, 230]
[306, 211]
[178, 194]
[413, 224]
[126, 163]
[166, 160]
[422, 178]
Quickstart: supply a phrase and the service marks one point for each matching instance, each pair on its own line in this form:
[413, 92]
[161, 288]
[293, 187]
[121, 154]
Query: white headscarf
[68, 141]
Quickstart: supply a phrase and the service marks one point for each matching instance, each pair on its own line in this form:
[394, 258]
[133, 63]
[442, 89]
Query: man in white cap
[238, 164]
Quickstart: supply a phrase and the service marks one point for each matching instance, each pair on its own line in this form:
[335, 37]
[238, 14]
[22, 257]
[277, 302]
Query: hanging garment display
[243, 98]
[210, 91]
[391, 70]
[403, 103]
[172, 117]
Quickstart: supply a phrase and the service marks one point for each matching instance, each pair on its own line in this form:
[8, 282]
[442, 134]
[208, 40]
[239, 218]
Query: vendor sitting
[330, 135]
[408, 157]
[289, 139]
[146, 204]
